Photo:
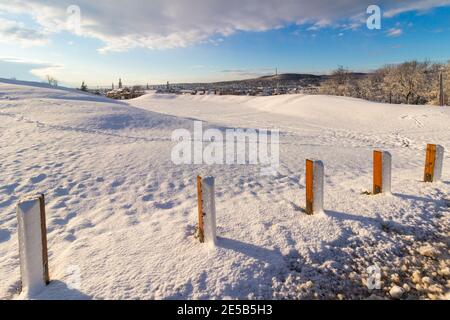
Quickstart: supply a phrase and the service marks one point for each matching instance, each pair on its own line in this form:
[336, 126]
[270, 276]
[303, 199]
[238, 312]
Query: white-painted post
[314, 186]
[32, 244]
[208, 210]
[439, 163]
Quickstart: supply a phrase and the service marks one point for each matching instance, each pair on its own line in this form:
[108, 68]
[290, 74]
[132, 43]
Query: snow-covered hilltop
[121, 216]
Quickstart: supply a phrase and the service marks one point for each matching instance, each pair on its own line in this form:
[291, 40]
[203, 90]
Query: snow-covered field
[121, 216]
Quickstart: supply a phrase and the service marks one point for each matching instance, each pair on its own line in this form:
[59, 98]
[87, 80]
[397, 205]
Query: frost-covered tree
[446, 80]
[388, 84]
[431, 90]
[411, 78]
[338, 83]
[411, 82]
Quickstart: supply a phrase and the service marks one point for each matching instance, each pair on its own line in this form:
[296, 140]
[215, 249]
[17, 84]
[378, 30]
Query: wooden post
[309, 186]
[381, 172]
[201, 229]
[32, 233]
[44, 238]
[377, 172]
[433, 163]
[314, 186]
[206, 210]
[441, 90]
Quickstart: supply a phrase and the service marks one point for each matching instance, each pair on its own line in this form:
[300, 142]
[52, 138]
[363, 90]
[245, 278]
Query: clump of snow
[396, 292]
[428, 251]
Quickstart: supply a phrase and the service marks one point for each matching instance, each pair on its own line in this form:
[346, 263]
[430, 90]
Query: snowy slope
[121, 215]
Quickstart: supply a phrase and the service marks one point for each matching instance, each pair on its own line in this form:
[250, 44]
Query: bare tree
[83, 87]
[411, 78]
[446, 80]
[410, 82]
[52, 81]
[338, 83]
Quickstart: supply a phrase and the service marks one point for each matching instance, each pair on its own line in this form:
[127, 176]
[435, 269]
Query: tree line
[411, 82]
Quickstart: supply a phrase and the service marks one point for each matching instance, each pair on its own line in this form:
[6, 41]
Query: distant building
[124, 93]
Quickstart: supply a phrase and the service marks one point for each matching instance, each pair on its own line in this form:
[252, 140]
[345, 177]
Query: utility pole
[441, 90]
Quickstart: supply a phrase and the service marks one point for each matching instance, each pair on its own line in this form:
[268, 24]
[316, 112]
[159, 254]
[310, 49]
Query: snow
[396, 292]
[30, 242]
[120, 212]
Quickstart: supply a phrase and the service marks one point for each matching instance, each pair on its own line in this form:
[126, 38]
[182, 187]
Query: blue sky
[205, 43]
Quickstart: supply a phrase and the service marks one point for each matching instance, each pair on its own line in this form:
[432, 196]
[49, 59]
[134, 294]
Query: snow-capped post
[433, 163]
[382, 163]
[33, 244]
[314, 186]
[206, 210]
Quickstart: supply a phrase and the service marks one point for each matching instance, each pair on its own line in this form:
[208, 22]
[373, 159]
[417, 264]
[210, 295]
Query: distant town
[410, 82]
[277, 84]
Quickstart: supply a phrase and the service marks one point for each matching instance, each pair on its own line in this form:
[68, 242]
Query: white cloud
[248, 73]
[36, 67]
[159, 24]
[320, 25]
[15, 32]
[28, 69]
[422, 6]
[395, 32]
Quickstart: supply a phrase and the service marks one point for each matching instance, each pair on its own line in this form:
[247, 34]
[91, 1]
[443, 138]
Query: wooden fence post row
[433, 163]
[382, 164]
[32, 232]
[314, 186]
[206, 210]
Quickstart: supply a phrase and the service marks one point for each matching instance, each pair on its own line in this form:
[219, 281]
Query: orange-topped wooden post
[433, 163]
[314, 186]
[377, 172]
[201, 230]
[206, 210]
[381, 172]
[309, 186]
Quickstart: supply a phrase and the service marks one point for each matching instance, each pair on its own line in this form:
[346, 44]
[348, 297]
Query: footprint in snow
[164, 205]
[5, 235]
[38, 178]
